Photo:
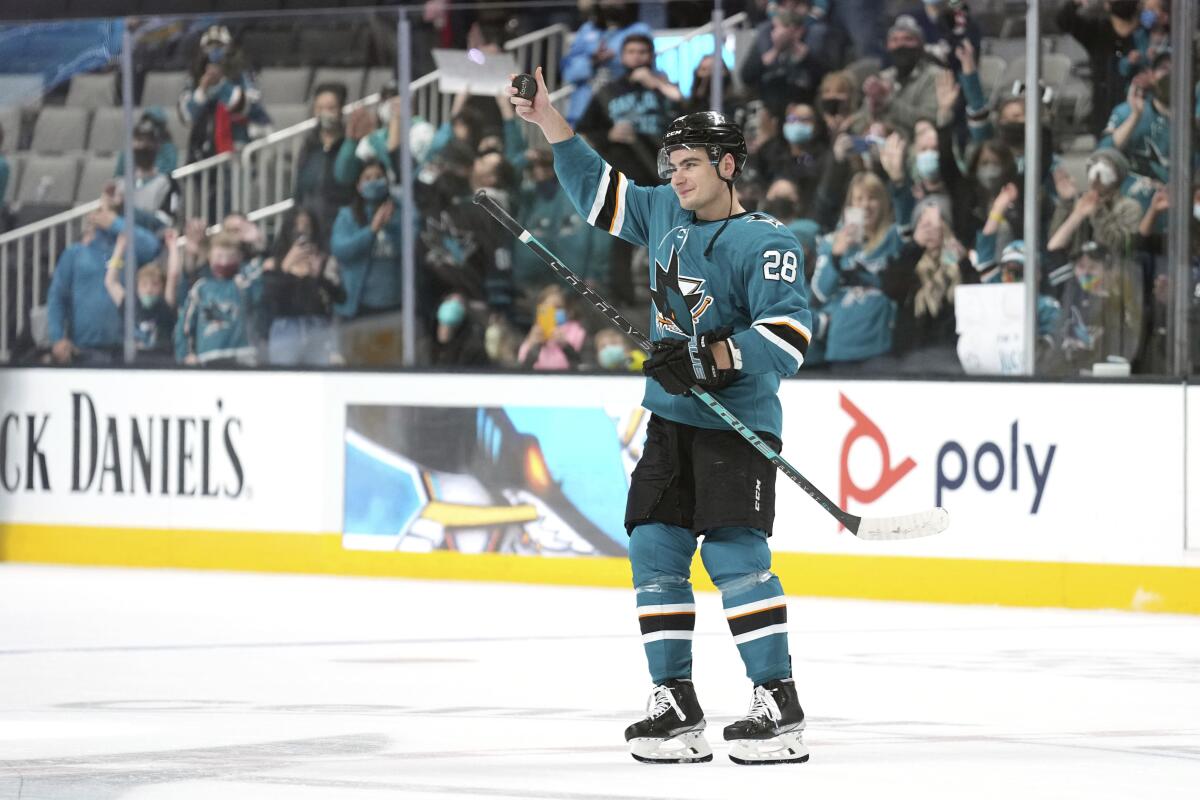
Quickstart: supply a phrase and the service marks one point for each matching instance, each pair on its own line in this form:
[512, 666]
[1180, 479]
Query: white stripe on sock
[658, 636]
[760, 633]
[757, 605]
[667, 608]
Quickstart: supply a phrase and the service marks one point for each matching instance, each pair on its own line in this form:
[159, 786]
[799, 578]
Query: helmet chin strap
[708, 250]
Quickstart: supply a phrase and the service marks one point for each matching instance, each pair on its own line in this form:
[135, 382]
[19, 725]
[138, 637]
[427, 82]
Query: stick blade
[909, 526]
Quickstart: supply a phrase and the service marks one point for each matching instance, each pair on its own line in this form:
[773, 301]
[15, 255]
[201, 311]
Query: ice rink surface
[173, 684]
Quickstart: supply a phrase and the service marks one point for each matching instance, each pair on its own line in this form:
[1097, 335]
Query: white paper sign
[990, 319]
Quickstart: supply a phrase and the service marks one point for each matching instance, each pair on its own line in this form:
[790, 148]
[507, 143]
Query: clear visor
[666, 169]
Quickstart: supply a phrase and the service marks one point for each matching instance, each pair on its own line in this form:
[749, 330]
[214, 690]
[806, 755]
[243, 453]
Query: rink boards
[1060, 494]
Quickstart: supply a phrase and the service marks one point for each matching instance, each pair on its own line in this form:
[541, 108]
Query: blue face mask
[1149, 17]
[216, 55]
[560, 317]
[148, 301]
[928, 164]
[612, 356]
[374, 191]
[798, 132]
[451, 312]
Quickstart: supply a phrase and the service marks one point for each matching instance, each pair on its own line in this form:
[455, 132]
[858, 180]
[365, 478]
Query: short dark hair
[638, 37]
[337, 89]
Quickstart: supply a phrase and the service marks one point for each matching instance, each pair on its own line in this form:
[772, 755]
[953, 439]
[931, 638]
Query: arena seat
[60, 130]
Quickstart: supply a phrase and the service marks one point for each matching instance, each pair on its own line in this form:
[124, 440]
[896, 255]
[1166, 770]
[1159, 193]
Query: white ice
[182, 685]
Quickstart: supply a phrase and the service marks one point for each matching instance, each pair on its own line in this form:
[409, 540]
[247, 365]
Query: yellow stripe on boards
[936, 580]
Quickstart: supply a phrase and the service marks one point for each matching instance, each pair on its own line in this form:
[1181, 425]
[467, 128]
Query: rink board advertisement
[1055, 490]
[500, 479]
[1019, 466]
[161, 449]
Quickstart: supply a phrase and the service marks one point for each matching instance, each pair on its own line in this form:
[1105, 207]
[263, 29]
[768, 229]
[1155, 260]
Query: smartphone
[855, 217]
[547, 319]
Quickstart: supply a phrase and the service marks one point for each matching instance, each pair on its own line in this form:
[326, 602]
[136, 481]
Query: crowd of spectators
[900, 175]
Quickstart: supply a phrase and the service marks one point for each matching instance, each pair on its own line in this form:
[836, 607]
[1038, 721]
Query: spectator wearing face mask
[459, 338]
[981, 202]
[373, 135]
[154, 314]
[547, 213]
[1010, 268]
[1108, 41]
[837, 102]
[556, 340]
[195, 266]
[914, 172]
[167, 155]
[221, 104]
[904, 92]
[156, 194]
[1100, 214]
[787, 69]
[799, 153]
[316, 184]
[855, 316]
[463, 250]
[921, 280]
[594, 57]
[84, 325]
[783, 202]
[215, 319]
[366, 241]
[1151, 38]
[1102, 312]
[1140, 127]
[298, 295]
[615, 353]
[627, 117]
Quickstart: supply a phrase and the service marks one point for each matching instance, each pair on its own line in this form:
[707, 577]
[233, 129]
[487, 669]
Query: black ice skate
[673, 729]
[771, 732]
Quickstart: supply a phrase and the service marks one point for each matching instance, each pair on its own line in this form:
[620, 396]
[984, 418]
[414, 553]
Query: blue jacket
[79, 307]
[577, 63]
[861, 317]
[370, 263]
[753, 282]
[215, 320]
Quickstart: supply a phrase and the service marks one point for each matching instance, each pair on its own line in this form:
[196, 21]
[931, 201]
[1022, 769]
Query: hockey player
[730, 314]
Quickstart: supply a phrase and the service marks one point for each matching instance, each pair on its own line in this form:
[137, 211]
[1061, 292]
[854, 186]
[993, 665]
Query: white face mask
[385, 112]
[1103, 172]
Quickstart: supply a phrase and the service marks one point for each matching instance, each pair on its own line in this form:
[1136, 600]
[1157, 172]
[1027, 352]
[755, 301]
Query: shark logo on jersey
[758, 216]
[680, 300]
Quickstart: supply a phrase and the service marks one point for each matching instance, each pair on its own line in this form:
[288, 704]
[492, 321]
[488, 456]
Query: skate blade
[686, 748]
[787, 748]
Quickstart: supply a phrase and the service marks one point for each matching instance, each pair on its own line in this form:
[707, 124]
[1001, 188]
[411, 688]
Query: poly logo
[989, 465]
[889, 475]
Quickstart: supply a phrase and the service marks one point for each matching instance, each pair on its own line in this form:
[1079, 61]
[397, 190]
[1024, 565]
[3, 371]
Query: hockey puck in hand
[526, 86]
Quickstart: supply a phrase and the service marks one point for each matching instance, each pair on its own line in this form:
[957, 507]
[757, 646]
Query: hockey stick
[910, 526]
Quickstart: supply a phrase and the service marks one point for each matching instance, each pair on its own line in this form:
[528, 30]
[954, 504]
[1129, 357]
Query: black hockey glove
[670, 363]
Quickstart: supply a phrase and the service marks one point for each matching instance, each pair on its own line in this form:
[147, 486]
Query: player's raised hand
[534, 110]
[540, 111]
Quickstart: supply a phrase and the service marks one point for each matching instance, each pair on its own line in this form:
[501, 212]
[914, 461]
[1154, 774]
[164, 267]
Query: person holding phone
[855, 317]
[555, 341]
[298, 299]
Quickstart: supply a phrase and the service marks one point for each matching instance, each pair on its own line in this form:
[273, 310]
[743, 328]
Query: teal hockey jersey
[753, 282]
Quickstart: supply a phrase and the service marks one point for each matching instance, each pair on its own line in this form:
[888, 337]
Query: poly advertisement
[1055, 472]
[1028, 471]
